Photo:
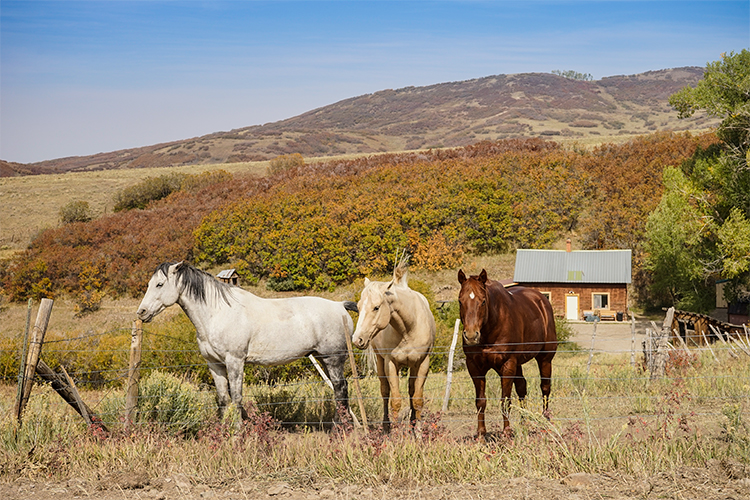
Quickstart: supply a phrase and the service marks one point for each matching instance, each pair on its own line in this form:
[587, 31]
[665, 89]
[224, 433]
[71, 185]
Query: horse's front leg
[391, 375]
[219, 374]
[507, 377]
[478, 377]
[335, 367]
[417, 378]
[385, 392]
[235, 375]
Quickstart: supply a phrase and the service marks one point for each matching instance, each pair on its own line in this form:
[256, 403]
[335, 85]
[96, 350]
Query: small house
[229, 276]
[736, 312]
[581, 284]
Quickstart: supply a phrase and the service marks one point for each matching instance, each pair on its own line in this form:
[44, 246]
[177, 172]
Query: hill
[324, 224]
[442, 115]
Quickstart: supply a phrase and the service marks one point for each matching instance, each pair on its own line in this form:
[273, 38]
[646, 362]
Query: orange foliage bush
[314, 231]
[318, 225]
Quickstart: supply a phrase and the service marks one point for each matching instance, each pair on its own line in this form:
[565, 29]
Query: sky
[83, 77]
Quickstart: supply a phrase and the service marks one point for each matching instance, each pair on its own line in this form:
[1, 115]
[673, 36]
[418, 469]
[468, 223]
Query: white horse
[399, 325]
[235, 327]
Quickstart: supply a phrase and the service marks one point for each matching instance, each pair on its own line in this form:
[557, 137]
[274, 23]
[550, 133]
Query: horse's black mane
[196, 282]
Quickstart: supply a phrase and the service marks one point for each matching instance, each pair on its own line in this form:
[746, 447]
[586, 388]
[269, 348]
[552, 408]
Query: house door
[571, 307]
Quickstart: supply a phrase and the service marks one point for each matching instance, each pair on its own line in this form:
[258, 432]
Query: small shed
[229, 276]
[581, 285]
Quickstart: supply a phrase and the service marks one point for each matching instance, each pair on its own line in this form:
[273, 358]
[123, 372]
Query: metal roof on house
[579, 266]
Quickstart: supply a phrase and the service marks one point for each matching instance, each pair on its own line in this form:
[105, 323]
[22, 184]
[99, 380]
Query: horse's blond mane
[400, 271]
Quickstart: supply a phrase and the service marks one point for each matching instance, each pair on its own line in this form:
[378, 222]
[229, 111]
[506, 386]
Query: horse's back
[532, 313]
[297, 326]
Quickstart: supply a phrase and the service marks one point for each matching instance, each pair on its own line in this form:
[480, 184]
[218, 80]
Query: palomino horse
[235, 327]
[503, 329]
[397, 321]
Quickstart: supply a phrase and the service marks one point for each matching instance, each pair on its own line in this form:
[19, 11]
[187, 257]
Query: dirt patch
[610, 336]
[718, 480]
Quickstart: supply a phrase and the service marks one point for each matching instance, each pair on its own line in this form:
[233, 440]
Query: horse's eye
[159, 285]
[377, 308]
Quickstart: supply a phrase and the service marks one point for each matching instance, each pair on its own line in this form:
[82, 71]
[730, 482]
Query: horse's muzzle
[471, 338]
[144, 315]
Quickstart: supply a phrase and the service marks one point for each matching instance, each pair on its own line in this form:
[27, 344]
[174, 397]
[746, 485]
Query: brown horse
[503, 329]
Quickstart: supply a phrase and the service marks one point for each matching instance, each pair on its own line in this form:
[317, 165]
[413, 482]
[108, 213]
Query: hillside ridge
[448, 114]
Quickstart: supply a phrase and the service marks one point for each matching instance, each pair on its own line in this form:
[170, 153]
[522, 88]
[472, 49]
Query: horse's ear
[483, 276]
[461, 276]
[367, 281]
[177, 266]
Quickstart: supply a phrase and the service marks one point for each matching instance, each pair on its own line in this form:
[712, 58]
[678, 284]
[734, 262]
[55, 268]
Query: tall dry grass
[609, 419]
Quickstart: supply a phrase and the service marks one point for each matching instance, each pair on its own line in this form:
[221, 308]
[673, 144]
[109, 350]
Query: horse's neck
[201, 313]
[403, 314]
[501, 298]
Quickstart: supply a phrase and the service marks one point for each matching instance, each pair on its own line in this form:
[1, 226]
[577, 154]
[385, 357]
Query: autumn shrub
[195, 182]
[27, 279]
[324, 230]
[90, 292]
[146, 191]
[285, 162]
[130, 244]
[320, 225]
[75, 211]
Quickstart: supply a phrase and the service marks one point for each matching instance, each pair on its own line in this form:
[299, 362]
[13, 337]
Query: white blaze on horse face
[471, 318]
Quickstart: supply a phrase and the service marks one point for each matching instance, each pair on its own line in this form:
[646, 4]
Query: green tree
[724, 93]
[717, 190]
[673, 247]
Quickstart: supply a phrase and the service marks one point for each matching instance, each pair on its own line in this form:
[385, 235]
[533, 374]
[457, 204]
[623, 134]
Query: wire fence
[603, 387]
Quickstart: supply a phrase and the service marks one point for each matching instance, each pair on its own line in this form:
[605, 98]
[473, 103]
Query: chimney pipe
[567, 245]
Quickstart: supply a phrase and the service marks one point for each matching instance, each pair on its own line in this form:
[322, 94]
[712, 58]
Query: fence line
[598, 359]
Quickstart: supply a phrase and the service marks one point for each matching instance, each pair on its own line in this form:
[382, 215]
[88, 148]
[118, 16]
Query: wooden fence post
[632, 340]
[705, 339]
[328, 382]
[591, 351]
[728, 347]
[449, 377]
[134, 372]
[22, 364]
[356, 380]
[67, 391]
[656, 345]
[35, 349]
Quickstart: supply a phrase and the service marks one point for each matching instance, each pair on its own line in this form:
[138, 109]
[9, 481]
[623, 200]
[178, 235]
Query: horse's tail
[351, 306]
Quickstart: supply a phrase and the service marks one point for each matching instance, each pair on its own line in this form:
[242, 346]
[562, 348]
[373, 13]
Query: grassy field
[611, 420]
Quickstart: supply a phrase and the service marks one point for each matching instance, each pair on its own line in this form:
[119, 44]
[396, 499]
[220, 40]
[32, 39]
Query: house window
[600, 301]
[548, 295]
